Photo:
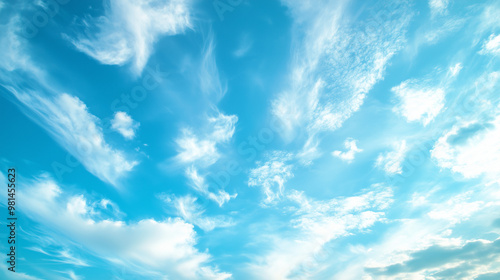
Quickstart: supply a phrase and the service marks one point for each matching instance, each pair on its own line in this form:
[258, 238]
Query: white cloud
[391, 161]
[328, 81]
[419, 102]
[188, 208]
[203, 151]
[208, 76]
[124, 124]
[455, 70]
[471, 149]
[438, 7]
[72, 275]
[198, 183]
[222, 127]
[352, 149]
[435, 225]
[15, 51]
[492, 46]
[192, 149]
[271, 176]
[456, 209]
[296, 255]
[128, 29]
[169, 244]
[309, 151]
[245, 45]
[69, 122]
[63, 256]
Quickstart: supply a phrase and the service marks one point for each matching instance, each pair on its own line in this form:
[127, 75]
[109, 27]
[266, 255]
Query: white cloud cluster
[271, 176]
[352, 150]
[68, 120]
[149, 247]
[419, 102]
[124, 124]
[492, 46]
[391, 161]
[471, 149]
[188, 208]
[128, 29]
[317, 223]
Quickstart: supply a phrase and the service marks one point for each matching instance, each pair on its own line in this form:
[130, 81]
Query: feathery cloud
[128, 30]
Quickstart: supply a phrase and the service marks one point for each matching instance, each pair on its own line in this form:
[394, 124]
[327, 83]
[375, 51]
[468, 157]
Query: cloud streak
[128, 30]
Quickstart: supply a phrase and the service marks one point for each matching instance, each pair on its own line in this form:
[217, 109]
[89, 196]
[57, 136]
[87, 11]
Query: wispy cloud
[203, 150]
[210, 82]
[391, 161]
[272, 175]
[128, 30]
[70, 123]
[15, 54]
[328, 78]
[199, 184]
[316, 223]
[191, 211]
[245, 45]
[124, 124]
[438, 7]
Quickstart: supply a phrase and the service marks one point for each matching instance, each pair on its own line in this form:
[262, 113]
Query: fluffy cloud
[352, 149]
[391, 161]
[68, 120]
[192, 149]
[128, 29]
[418, 102]
[271, 176]
[148, 246]
[492, 46]
[124, 124]
[471, 149]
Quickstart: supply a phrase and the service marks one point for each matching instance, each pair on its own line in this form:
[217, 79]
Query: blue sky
[183, 139]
